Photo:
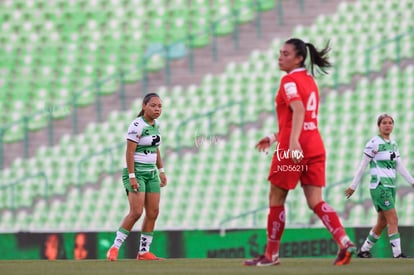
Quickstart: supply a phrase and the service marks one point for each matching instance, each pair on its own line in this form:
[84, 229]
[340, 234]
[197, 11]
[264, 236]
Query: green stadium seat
[14, 132]
[223, 21]
[264, 5]
[112, 82]
[200, 32]
[244, 11]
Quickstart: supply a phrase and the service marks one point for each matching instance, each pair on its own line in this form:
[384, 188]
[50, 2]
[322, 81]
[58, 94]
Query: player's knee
[135, 214]
[152, 213]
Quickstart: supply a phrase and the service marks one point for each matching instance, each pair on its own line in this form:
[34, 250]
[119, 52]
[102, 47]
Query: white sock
[395, 242]
[370, 241]
[121, 236]
[145, 242]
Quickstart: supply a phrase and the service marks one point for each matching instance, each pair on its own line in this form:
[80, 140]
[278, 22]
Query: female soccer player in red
[300, 152]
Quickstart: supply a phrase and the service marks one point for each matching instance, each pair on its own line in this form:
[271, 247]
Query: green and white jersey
[383, 164]
[148, 139]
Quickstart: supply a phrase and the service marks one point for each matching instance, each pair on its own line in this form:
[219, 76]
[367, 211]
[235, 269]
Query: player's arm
[298, 116]
[129, 157]
[160, 167]
[357, 178]
[404, 172]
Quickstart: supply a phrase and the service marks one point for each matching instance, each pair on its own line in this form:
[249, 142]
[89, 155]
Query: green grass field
[206, 266]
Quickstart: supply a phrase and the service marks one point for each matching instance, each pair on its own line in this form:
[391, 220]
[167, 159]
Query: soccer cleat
[253, 262]
[364, 254]
[345, 254]
[262, 261]
[112, 254]
[402, 255]
[148, 256]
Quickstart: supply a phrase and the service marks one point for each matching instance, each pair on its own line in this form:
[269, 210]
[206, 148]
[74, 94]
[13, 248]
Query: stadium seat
[234, 163]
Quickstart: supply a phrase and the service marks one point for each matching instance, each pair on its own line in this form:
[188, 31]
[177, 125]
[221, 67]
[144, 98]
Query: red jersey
[299, 85]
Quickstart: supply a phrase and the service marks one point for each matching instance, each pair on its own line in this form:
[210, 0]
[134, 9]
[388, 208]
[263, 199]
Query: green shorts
[149, 181]
[383, 198]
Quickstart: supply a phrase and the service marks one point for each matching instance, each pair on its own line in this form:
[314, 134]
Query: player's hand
[163, 179]
[134, 184]
[295, 152]
[349, 192]
[263, 144]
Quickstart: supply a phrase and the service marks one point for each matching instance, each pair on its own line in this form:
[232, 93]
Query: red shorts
[285, 174]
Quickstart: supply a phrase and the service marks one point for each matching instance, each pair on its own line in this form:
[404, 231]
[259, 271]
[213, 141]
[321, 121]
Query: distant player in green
[141, 179]
[381, 153]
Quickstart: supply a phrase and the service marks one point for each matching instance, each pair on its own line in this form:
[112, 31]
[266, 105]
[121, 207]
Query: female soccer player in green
[141, 179]
[381, 153]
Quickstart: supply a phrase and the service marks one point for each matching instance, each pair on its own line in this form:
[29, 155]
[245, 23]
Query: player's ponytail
[145, 101]
[318, 58]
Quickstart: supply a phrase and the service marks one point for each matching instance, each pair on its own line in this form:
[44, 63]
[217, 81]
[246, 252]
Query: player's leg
[136, 206]
[393, 234]
[326, 213]
[392, 221]
[275, 228]
[384, 200]
[136, 201]
[373, 236]
[152, 202]
[282, 178]
[313, 179]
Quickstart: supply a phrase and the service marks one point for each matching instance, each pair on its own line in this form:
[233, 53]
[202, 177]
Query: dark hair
[381, 117]
[318, 58]
[145, 101]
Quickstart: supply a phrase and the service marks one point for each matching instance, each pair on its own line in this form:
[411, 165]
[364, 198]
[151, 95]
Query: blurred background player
[53, 247]
[382, 154]
[84, 246]
[300, 153]
[141, 180]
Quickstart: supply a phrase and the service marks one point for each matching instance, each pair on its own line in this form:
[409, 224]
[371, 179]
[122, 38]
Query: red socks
[275, 227]
[331, 220]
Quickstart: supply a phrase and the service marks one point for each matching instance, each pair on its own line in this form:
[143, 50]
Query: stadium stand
[226, 166]
[230, 168]
[83, 43]
[219, 50]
